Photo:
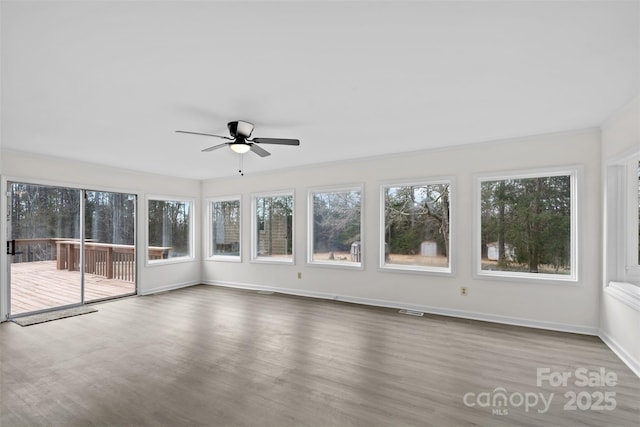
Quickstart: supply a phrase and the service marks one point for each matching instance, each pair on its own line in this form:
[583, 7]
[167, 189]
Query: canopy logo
[499, 400]
[590, 395]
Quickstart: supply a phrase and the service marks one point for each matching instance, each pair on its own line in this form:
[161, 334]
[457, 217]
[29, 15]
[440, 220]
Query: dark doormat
[53, 315]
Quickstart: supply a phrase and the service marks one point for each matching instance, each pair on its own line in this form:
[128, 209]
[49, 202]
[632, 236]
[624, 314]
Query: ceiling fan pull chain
[240, 169]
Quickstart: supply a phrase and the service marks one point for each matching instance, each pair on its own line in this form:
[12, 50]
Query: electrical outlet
[463, 291]
[299, 275]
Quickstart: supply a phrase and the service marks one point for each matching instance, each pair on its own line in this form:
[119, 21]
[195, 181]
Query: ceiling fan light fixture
[239, 147]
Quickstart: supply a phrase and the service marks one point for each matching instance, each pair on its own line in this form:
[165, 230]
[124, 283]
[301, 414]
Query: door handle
[11, 247]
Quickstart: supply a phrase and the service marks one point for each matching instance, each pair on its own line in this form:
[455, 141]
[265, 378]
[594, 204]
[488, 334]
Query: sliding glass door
[42, 221]
[109, 246]
[50, 265]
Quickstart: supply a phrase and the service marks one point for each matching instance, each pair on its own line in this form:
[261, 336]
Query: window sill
[225, 258]
[628, 293]
[399, 268]
[177, 260]
[267, 260]
[348, 265]
[541, 278]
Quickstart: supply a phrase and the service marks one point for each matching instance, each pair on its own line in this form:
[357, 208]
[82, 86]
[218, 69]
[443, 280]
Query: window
[527, 225]
[635, 177]
[272, 226]
[170, 233]
[633, 180]
[622, 228]
[335, 227]
[416, 230]
[224, 228]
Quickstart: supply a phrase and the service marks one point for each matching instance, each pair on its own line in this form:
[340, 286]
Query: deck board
[39, 285]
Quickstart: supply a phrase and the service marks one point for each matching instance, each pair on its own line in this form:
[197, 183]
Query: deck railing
[29, 250]
[107, 260]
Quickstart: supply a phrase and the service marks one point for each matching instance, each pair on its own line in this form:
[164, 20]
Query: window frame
[254, 258]
[436, 271]
[192, 209]
[575, 173]
[208, 229]
[621, 272]
[310, 226]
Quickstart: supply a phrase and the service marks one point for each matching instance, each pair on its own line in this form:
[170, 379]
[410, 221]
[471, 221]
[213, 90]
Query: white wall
[620, 323]
[563, 307]
[18, 166]
[583, 308]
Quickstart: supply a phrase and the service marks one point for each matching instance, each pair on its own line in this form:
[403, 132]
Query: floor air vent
[411, 313]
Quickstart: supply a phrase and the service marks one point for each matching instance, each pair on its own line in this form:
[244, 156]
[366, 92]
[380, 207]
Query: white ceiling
[110, 82]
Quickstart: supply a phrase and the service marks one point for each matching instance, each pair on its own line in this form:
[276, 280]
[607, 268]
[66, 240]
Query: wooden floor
[39, 285]
[209, 356]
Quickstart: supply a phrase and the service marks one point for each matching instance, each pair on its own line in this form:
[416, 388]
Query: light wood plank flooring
[209, 356]
[39, 285]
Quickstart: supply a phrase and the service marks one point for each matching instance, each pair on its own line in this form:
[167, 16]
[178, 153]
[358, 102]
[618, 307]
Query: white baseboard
[516, 321]
[485, 317]
[632, 363]
[628, 360]
[171, 287]
[287, 291]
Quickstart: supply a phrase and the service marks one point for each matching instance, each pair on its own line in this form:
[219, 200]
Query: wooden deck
[40, 285]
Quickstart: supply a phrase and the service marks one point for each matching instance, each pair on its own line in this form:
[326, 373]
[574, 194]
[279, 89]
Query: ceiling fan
[240, 141]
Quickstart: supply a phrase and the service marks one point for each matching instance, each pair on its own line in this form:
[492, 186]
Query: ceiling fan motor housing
[240, 129]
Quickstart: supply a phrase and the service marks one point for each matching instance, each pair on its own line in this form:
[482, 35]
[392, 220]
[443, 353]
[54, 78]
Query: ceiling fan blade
[259, 151]
[280, 141]
[215, 147]
[205, 134]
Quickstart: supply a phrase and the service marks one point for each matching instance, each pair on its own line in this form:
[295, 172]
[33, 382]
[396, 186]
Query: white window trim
[254, 258]
[621, 271]
[208, 240]
[189, 258]
[334, 189]
[439, 271]
[576, 173]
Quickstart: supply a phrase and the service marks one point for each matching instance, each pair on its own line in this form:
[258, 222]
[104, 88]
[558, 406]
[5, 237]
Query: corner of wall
[618, 323]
